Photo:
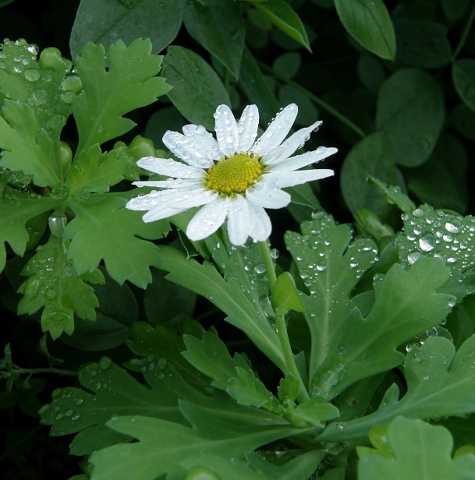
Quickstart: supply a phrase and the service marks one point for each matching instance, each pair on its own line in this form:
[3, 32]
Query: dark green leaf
[218, 26]
[105, 21]
[197, 89]
[368, 22]
[463, 75]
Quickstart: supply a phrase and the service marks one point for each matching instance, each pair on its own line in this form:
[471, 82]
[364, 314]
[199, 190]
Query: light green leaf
[410, 112]
[205, 21]
[463, 75]
[14, 215]
[406, 304]
[197, 89]
[54, 285]
[128, 81]
[103, 21]
[94, 171]
[283, 16]
[228, 296]
[231, 374]
[285, 294]
[422, 43]
[26, 146]
[413, 450]
[330, 265]
[105, 230]
[165, 447]
[369, 23]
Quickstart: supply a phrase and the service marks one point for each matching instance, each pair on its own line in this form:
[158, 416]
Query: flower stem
[465, 33]
[269, 263]
[288, 354]
[33, 371]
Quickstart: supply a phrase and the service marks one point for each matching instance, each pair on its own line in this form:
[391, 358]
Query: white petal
[277, 130]
[247, 128]
[169, 183]
[293, 143]
[169, 167]
[193, 198]
[208, 219]
[239, 221]
[157, 204]
[198, 149]
[261, 226]
[226, 130]
[300, 161]
[268, 198]
[289, 179]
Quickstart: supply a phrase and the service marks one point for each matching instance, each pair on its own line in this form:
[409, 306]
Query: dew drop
[32, 75]
[105, 363]
[427, 242]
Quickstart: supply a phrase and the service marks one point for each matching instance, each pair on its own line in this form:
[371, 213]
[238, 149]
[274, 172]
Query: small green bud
[141, 147]
[65, 155]
[50, 58]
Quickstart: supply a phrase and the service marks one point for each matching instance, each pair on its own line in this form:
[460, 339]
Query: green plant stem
[288, 354]
[465, 33]
[269, 263]
[318, 101]
[33, 371]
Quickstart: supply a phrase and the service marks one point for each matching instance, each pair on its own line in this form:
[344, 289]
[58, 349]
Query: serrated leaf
[94, 171]
[204, 22]
[102, 21]
[463, 76]
[54, 285]
[116, 236]
[14, 216]
[330, 266]
[165, 447]
[128, 81]
[231, 374]
[228, 296]
[427, 456]
[283, 16]
[410, 112]
[26, 146]
[197, 89]
[369, 23]
[406, 304]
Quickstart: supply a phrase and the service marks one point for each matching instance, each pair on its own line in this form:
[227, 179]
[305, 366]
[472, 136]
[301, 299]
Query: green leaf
[394, 195]
[94, 171]
[372, 156]
[455, 10]
[228, 296]
[330, 266]
[54, 285]
[422, 43]
[205, 21]
[126, 83]
[167, 448]
[197, 89]
[231, 374]
[285, 294]
[406, 304]
[410, 112]
[117, 236]
[16, 209]
[426, 456]
[283, 16]
[435, 233]
[102, 21]
[369, 23]
[463, 75]
[26, 146]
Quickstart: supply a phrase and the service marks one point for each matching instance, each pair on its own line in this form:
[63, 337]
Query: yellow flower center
[234, 174]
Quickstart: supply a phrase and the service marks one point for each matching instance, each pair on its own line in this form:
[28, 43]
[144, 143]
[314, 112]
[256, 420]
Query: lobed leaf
[117, 236]
[369, 23]
[128, 81]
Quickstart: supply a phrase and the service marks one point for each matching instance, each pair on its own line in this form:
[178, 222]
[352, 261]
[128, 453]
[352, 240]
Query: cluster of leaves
[381, 323]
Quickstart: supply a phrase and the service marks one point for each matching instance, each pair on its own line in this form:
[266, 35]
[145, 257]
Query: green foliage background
[394, 83]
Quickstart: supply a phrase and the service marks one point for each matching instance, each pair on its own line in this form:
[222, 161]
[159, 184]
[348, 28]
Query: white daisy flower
[232, 177]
